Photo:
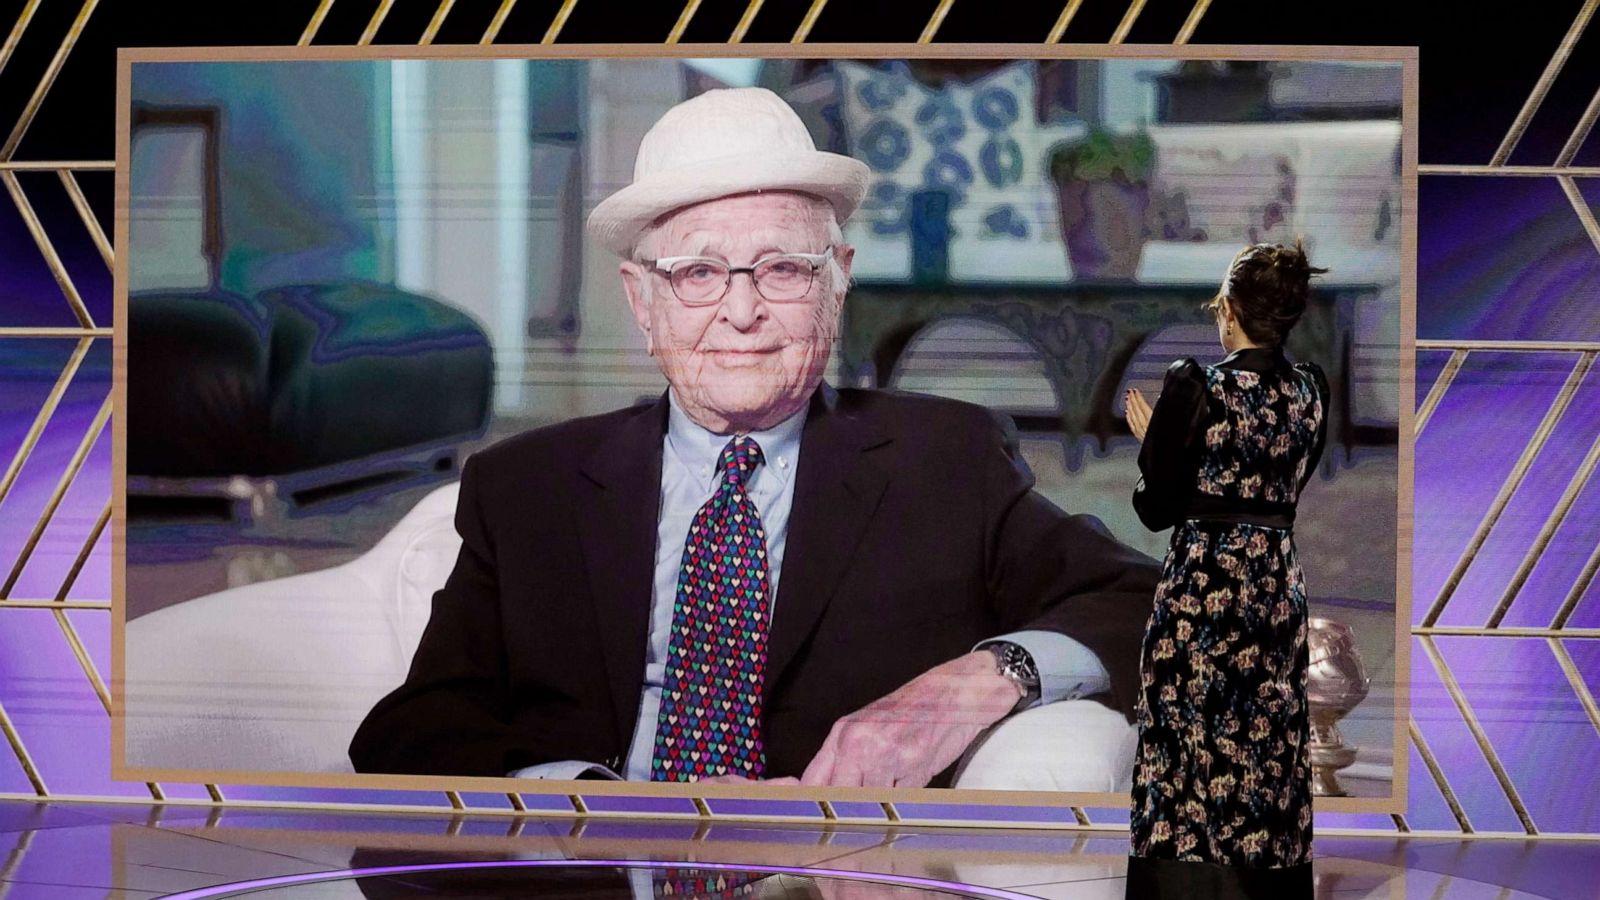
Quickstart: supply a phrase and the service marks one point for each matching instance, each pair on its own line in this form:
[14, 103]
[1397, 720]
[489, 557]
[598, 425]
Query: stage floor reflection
[81, 850]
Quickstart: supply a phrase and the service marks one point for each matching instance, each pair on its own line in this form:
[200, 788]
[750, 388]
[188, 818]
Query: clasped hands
[907, 737]
[1138, 412]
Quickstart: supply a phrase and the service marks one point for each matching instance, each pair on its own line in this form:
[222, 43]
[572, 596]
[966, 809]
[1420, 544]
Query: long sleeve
[1052, 571]
[1067, 669]
[566, 770]
[1169, 454]
[1317, 445]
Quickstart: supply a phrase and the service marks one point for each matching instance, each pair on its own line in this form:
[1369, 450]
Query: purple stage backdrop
[1504, 463]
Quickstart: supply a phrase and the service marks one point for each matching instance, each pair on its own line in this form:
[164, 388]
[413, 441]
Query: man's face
[746, 363]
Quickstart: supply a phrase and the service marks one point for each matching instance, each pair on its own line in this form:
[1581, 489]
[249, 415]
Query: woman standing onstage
[1222, 789]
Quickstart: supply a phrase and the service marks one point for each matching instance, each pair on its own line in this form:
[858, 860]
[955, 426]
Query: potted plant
[1103, 184]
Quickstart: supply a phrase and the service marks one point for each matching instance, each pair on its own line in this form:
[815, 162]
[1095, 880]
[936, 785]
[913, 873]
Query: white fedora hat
[723, 142]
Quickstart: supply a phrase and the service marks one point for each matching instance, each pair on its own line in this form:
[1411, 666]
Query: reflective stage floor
[130, 851]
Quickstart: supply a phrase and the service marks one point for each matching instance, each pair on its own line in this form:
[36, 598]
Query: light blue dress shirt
[690, 473]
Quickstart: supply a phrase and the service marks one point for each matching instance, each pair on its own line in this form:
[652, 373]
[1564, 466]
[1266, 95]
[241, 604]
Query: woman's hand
[1138, 413]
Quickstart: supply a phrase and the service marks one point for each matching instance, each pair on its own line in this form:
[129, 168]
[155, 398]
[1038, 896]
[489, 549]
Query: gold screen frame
[453, 787]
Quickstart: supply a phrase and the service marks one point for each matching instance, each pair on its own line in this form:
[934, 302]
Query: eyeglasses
[699, 281]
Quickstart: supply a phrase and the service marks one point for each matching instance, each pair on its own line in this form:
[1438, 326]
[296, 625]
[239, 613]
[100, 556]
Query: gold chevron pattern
[1557, 636]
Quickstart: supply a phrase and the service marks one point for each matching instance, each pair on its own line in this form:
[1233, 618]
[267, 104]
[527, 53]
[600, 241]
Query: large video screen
[959, 427]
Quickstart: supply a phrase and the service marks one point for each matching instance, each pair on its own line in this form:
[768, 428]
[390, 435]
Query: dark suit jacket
[914, 534]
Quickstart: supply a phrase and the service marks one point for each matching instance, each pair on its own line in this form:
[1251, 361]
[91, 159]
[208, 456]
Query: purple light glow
[258, 884]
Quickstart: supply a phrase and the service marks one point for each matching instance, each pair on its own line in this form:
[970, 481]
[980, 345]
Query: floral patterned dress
[1222, 792]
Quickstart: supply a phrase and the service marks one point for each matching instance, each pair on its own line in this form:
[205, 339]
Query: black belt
[1206, 508]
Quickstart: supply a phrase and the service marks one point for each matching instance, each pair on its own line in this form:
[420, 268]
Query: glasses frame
[664, 265]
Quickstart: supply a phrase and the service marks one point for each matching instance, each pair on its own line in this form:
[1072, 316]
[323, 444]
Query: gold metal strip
[745, 21]
[890, 812]
[1475, 631]
[96, 683]
[315, 23]
[1062, 21]
[57, 268]
[1436, 392]
[46, 410]
[1126, 25]
[1579, 171]
[215, 793]
[682, 25]
[498, 22]
[578, 806]
[1439, 781]
[55, 604]
[812, 14]
[1400, 823]
[73, 465]
[81, 204]
[1542, 86]
[454, 798]
[54, 332]
[376, 22]
[1570, 603]
[51, 71]
[1575, 678]
[517, 803]
[1081, 817]
[19, 851]
[1512, 346]
[1484, 746]
[437, 22]
[1581, 207]
[1536, 442]
[934, 21]
[26, 761]
[1193, 22]
[1552, 522]
[1580, 132]
[83, 554]
[827, 810]
[580, 823]
[558, 22]
[85, 663]
[12, 39]
[701, 808]
[50, 165]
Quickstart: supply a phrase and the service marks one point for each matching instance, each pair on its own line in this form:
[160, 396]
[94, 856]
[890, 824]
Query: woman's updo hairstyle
[1268, 286]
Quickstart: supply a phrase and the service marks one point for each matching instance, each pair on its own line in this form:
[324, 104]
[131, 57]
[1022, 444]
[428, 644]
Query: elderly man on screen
[757, 576]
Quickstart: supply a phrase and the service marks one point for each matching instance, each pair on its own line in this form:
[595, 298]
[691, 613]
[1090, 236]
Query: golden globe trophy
[1335, 682]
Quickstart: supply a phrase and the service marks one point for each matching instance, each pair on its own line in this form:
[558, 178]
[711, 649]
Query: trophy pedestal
[1337, 681]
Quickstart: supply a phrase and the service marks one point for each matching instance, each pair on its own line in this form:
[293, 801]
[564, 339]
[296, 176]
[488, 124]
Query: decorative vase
[1103, 225]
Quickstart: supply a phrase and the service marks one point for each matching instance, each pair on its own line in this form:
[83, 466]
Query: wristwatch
[1016, 663]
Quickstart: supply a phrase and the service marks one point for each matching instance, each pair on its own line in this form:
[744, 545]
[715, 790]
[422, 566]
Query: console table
[1087, 332]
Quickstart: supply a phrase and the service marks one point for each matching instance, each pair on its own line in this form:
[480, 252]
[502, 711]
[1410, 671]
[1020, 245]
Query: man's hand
[908, 737]
[1138, 413]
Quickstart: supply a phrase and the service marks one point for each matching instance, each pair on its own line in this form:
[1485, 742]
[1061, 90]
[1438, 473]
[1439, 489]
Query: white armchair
[275, 676]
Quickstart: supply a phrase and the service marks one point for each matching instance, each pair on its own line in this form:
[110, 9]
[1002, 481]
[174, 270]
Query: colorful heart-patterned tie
[710, 720]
